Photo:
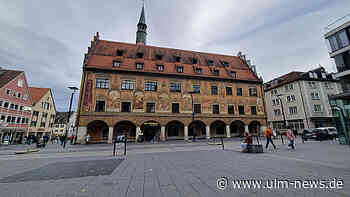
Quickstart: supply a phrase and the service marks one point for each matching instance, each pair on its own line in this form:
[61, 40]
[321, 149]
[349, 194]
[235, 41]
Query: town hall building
[148, 92]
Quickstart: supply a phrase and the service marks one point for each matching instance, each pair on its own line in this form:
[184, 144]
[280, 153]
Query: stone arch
[198, 128]
[125, 127]
[98, 131]
[237, 128]
[218, 128]
[149, 130]
[174, 130]
[254, 127]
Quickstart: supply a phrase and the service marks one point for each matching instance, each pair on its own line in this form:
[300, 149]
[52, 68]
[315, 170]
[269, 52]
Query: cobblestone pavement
[187, 170]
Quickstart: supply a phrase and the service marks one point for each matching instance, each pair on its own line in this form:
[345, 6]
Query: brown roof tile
[284, 79]
[37, 93]
[106, 51]
[8, 75]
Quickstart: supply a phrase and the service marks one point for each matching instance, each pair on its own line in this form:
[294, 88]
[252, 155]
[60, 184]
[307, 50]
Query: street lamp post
[284, 116]
[70, 108]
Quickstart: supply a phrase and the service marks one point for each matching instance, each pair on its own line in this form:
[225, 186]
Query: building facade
[43, 112]
[148, 92]
[60, 124]
[301, 99]
[15, 105]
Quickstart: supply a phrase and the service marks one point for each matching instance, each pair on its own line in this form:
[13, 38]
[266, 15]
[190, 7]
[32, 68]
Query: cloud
[48, 39]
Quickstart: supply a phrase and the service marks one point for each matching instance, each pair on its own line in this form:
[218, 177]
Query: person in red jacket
[268, 135]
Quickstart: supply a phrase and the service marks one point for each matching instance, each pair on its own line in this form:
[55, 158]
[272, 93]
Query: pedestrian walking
[291, 137]
[88, 139]
[268, 135]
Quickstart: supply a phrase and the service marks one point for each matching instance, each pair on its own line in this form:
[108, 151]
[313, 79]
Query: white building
[301, 99]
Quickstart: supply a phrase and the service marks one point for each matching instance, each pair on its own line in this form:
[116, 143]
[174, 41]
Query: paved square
[183, 171]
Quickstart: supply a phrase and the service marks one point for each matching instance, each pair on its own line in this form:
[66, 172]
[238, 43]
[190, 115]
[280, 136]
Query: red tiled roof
[37, 93]
[8, 75]
[284, 79]
[106, 51]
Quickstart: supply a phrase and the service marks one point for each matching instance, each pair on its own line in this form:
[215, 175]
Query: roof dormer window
[160, 67]
[159, 57]
[120, 52]
[116, 63]
[139, 55]
[139, 66]
[198, 70]
[216, 72]
[225, 63]
[210, 62]
[177, 58]
[233, 74]
[194, 61]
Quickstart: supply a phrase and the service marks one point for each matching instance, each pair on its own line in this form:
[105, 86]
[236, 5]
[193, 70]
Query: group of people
[269, 135]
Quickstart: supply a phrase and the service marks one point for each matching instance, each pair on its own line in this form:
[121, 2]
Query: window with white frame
[292, 98]
[175, 87]
[20, 83]
[151, 86]
[315, 96]
[277, 112]
[102, 83]
[128, 84]
[293, 110]
[317, 108]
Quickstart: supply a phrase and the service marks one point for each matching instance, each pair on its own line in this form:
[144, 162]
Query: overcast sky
[47, 39]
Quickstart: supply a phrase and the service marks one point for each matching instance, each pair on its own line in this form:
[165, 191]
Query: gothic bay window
[196, 88]
[116, 63]
[128, 85]
[253, 110]
[150, 107]
[228, 90]
[180, 69]
[216, 109]
[160, 67]
[231, 109]
[102, 83]
[139, 66]
[239, 92]
[253, 92]
[175, 108]
[100, 106]
[126, 107]
[197, 108]
[175, 87]
[151, 86]
[214, 90]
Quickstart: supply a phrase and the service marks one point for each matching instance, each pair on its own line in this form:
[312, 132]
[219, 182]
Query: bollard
[125, 142]
[282, 138]
[114, 144]
[222, 143]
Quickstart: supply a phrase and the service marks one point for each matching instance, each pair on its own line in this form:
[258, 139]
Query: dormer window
[180, 69]
[160, 67]
[159, 57]
[225, 63]
[139, 66]
[116, 63]
[120, 52]
[198, 70]
[233, 74]
[139, 55]
[194, 61]
[210, 62]
[177, 58]
[216, 72]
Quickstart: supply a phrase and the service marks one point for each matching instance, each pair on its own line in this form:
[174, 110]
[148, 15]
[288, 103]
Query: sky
[48, 39]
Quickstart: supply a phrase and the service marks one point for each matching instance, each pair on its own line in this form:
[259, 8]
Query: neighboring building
[60, 124]
[304, 97]
[145, 91]
[15, 105]
[338, 44]
[43, 112]
[337, 39]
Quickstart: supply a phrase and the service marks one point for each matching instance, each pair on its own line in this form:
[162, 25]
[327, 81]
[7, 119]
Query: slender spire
[141, 33]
